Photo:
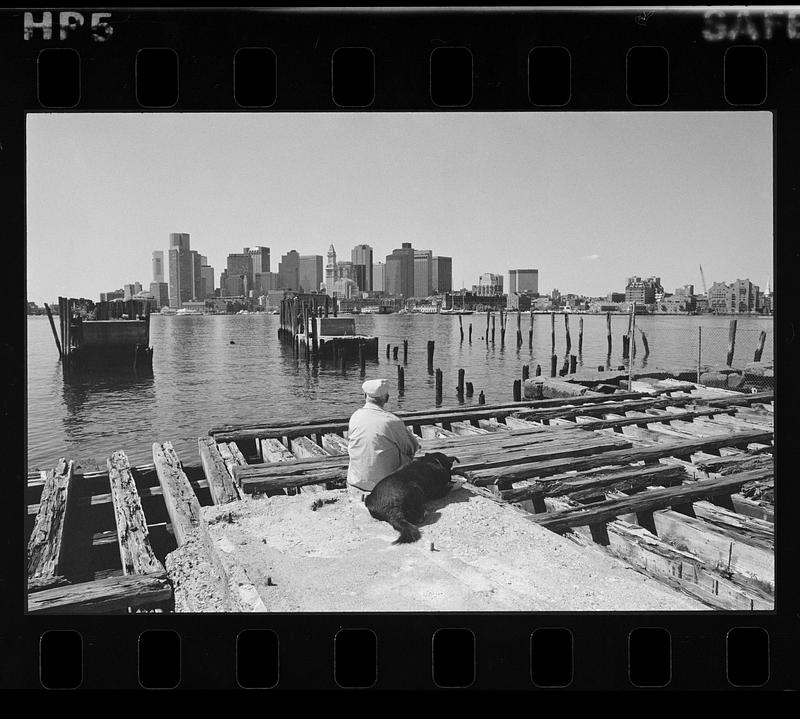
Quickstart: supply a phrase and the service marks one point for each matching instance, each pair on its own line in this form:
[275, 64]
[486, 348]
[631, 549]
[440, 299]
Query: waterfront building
[399, 279]
[206, 281]
[179, 241]
[158, 266]
[643, 291]
[489, 285]
[442, 274]
[310, 272]
[105, 296]
[289, 271]
[345, 288]
[361, 256]
[719, 298]
[423, 280]
[523, 281]
[744, 297]
[615, 298]
[519, 301]
[160, 292]
[330, 271]
[130, 290]
[259, 260]
[344, 270]
[264, 282]
[379, 277]
[181, 270]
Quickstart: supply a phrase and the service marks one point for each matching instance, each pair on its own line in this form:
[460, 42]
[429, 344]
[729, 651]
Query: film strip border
[359, 60]
[432, 61]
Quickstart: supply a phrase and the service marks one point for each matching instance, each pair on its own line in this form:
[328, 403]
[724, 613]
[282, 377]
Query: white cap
[375, 388]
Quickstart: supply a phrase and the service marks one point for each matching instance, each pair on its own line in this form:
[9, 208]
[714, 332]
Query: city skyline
[574, 195]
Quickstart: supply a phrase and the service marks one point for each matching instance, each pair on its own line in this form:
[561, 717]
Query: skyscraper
[400, 271]
[330, 271]
[207, 280]
[289, 271]
[181, 270]
[259, 257]
[310, 272]
[158, 266]
[362, 258]
[523, 281]
[423, 284]
[442, 274]
[379, 277]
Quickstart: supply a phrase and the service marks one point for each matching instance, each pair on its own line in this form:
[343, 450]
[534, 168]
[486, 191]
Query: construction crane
[703, 277]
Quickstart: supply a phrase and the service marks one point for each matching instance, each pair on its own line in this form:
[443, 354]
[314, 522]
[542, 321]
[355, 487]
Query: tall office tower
[344, 270]
[310, 269]
[442, 274]
[207, 279]
[523, 281]
[181, 270]
[361, 256]
[289, 271]
[400, 271]
[197, 275]
[379, 277]
[260, 258]
[158, 266]
[265, 282]
[131, 289]
[423, 279]
[330, 271]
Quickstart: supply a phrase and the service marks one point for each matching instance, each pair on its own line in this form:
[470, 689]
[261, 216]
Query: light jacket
[378, 444]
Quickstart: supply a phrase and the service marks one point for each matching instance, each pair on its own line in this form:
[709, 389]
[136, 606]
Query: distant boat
[275, 312]
[186, 311]
[168, 311]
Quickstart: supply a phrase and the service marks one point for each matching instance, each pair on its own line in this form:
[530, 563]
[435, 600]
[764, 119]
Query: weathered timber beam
[736, 463]
[731, 401]
[648, 501]
[576, 487]
[604, 406]
[220, 482]
[135, 552]
[272, 450]
[333, 444]
[507, 475]
[46, 543]
[303, 448]
[751, 529]
[267, 481]
[102, 596]
[228, 433]
[179, 497]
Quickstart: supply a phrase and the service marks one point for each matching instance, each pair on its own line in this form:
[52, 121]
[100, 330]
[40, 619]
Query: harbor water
[220, 369]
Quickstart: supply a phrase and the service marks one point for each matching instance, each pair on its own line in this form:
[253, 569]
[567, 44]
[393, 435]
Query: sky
[588, 199]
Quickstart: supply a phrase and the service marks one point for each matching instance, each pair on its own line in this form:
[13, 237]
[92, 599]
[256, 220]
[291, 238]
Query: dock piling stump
[401, 380]
[481, 398]
[538, 371]
[470, 389]
[517, 390]
[405, 351]
[526, 372]
[553, 365]
[438, 386]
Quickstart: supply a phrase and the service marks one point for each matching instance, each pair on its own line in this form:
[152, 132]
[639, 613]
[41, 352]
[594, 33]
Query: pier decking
[676, 480]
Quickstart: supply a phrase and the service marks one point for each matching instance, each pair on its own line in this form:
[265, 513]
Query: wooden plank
[264, 478]
[334, 444]
[179, 497]
[507, 475]
[681, 569]
[739, 399]
[231, 456]
[303, 448]
[135, 552]
[758, 531]
[581, 486]
[649, 501]
[272, 450]
[735, 463]
[46, 543]
[104, 596]
[220, 482]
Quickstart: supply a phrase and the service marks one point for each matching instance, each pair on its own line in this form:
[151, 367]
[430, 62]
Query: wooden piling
[553, 365]
[326, 305]
[58, 344]
[362, 360]
[461, 327]
[405, 351]
[395, 350]
[438, 386]
[530, 332]
[526, 372]
[624, 347]
[608, 330]
[517, 390]
[335, 307]
[431, 346]
[566, 330]
[552, 334]
[460, 385]
[731, 342]
[493, 328]
[573, 364]
[762, 338]
[470, 332]
[470, 389]
[481, 398]
[487, 326]
[580, 336]
[401, 380]
[388, 350]
[538, 371]
[645, 344]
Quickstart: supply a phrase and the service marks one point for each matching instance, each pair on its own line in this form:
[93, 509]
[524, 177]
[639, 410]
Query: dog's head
[442, 459]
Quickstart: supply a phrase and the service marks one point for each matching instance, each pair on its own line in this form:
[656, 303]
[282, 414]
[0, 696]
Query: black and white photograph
[400, 362]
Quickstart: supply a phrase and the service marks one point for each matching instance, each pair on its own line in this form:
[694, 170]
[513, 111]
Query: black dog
[400, 497]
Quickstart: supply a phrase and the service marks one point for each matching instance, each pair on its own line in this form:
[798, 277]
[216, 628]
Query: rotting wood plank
[303, 448]
[506, 475]
[103, 596]
[754, 530]
[735, 463]
[46, 543]
[334, 444]
[648, 501]
[220, 482]
[579, 486]
[179, 497]
[135, 552]
[682, 569]
[739, 399]
[231, 456]
[272, 450]
[603, 405]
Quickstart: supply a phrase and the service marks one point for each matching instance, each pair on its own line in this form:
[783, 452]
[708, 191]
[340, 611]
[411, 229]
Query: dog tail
[408, 532]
